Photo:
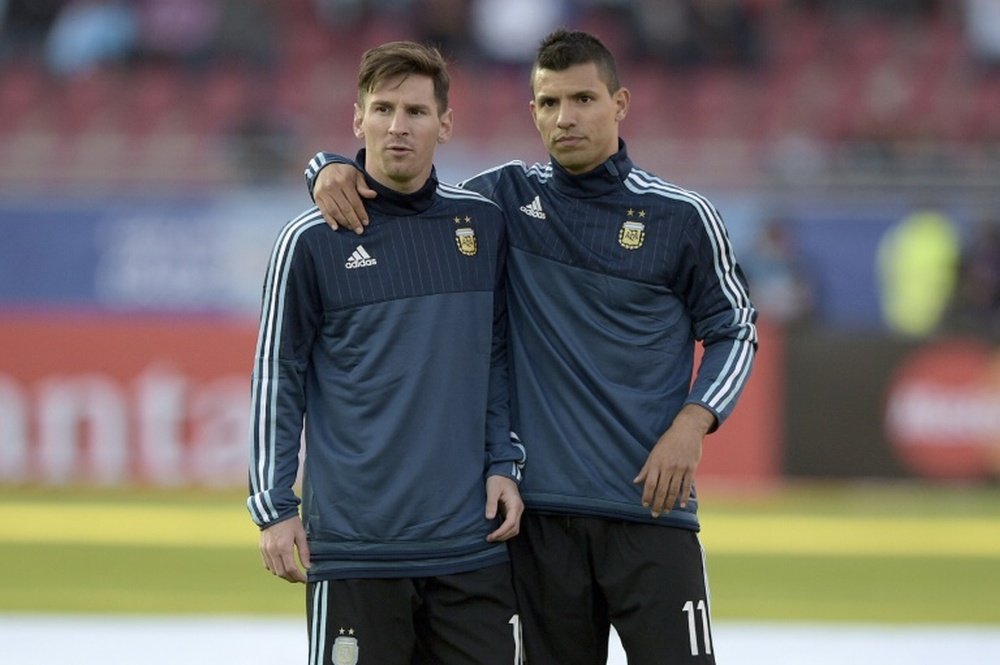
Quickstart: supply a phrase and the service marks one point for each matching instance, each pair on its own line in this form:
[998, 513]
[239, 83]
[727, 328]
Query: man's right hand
[337, 191]
[278, 544]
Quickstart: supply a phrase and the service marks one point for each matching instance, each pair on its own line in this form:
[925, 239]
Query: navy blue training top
[391, 350]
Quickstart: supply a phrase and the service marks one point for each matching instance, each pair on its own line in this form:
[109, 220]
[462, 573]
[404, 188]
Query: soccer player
[614, 274]
[393, 354]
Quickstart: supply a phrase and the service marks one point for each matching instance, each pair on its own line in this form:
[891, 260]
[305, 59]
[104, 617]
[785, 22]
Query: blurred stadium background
[151, 149]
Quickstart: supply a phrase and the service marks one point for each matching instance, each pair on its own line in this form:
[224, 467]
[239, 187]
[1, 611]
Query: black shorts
[463, 619]
[576, 576]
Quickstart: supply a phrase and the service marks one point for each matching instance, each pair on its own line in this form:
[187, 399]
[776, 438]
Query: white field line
[212, 640]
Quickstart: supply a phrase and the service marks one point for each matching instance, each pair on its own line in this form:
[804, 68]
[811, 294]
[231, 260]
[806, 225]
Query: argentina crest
[631, 235]
[465, 238]
[345, 650]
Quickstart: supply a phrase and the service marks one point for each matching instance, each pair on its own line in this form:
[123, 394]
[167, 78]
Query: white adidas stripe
[737, 367]
[263, 433]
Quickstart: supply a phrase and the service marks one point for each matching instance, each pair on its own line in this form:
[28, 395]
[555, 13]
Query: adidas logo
[360, 259]
[534, 209]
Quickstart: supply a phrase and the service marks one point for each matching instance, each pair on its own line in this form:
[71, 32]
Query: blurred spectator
[665, 31]
[696, 32]
[340, 12]
[917, 267]
[354, 13]
[727, 31]
[246, 32]
[977, 297]
[89, 33]
[445, 23]
[25, 24]
[982, 25]
[509, 31]
[779, 283]
[179, 30]
[896, 7]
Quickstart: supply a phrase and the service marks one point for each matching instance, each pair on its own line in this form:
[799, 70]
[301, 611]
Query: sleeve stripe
[314, 166]
[263, 404]
[453, 192]
[737, 367]
[725, 389]
[540, 171]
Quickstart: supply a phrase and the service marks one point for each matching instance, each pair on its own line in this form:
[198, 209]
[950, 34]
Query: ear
[622, 99]
[534, 114]
[447, 125]
[359, 117]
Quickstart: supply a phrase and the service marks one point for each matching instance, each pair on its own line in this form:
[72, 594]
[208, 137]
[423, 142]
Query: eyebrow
[412, 107]
[575, 95]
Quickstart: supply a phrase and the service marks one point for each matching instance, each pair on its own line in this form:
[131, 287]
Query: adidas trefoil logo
[534, 209]
[360, 259]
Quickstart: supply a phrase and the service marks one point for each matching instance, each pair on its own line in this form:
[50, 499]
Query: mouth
[398, 149]
[568, 140]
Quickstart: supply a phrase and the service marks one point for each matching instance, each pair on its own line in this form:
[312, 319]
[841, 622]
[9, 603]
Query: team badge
[631, 235]
[345, 650]
[465, 238]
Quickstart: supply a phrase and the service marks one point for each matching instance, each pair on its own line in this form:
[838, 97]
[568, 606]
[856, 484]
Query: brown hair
[563, 49]
[403, 59]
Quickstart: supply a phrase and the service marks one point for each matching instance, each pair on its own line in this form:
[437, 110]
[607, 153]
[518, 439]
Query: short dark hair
[404, 58]
[563, 49]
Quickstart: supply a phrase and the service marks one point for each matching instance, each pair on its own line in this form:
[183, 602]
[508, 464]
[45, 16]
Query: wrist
[696, 417]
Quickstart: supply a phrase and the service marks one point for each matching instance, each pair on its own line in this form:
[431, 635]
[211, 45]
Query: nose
[566, 117]
[399, 126]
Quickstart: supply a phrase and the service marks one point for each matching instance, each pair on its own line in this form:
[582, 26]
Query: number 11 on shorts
[702, 609]
[515, 624]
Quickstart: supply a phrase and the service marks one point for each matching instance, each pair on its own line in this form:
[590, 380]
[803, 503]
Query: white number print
[702, 609]
[515, 627]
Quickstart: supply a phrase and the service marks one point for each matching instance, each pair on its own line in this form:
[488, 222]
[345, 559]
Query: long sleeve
[504, 454]
[716, 293]
[290, 320]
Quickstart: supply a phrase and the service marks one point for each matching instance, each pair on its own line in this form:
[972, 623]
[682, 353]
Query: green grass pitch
[886, 554]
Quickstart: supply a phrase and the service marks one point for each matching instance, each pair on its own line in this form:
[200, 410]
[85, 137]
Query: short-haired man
[392, 352]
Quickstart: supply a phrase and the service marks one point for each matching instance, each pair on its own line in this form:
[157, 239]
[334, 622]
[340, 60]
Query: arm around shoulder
[337, 186]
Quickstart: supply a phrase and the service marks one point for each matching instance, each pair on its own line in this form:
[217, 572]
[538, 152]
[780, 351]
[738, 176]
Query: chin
[574, 165]
[400, 176]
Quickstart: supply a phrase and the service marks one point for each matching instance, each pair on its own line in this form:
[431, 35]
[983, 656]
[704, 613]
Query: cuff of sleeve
[282, 518]
[267, 508]
[510, 470]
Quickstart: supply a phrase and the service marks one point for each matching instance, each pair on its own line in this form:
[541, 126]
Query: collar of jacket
[391, 202]
[604, 179]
